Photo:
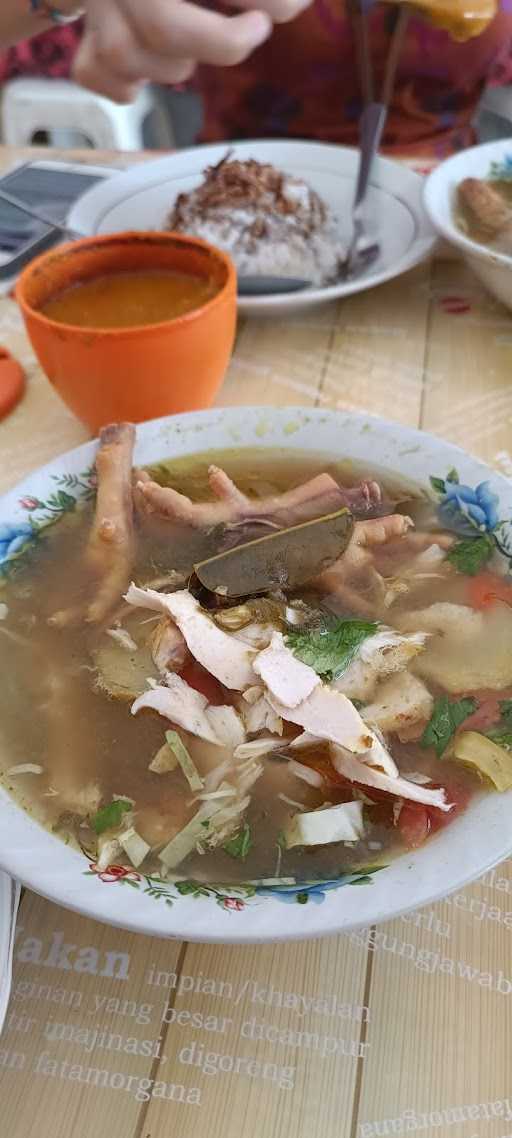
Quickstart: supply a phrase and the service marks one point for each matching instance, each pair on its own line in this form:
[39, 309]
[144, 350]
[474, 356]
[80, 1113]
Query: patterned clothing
[303, 82]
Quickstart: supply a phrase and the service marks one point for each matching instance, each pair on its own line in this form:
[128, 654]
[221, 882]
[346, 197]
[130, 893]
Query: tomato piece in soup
[414, 824]
[199, 679]
[488, 712]
[416, 821]
[487, 590]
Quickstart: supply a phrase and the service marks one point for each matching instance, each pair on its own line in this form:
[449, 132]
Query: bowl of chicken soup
[468, 199]
[266, 653]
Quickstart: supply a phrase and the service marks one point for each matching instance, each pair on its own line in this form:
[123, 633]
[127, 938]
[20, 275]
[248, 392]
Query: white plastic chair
[71, 116]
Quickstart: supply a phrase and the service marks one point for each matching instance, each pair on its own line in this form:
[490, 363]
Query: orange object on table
[12, 382]
[110, 374]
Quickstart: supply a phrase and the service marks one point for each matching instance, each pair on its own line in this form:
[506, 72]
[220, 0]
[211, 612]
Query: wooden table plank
[50, 1073]
[320, 1064]
[468, 394]
[377, 352]
[280, 361]
[439, 1014]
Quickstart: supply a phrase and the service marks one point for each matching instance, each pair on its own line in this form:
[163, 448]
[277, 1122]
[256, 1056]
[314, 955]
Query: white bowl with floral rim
[468, 847]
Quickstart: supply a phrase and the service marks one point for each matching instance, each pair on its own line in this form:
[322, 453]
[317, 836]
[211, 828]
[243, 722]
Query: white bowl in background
[439, 198]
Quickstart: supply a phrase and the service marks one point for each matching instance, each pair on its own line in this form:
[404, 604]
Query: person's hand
[131, 41]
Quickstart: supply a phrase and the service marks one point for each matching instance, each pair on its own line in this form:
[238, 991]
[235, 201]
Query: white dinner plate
[141, 198]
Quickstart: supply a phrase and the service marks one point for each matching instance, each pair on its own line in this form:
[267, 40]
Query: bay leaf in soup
[283, 559]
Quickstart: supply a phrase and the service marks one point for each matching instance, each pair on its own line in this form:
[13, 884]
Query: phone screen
[17, 230]
[50, 191]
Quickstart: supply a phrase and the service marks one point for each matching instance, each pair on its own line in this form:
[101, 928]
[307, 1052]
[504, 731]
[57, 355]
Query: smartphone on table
[50, 188]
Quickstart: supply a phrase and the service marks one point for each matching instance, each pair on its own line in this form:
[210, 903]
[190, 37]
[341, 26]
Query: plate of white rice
[277, 207]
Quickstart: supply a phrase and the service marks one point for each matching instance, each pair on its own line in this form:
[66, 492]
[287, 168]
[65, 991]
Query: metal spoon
[363, 248]
[269, 285]
[247, 285]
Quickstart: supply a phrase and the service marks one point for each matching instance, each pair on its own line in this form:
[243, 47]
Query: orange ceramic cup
[109, 375]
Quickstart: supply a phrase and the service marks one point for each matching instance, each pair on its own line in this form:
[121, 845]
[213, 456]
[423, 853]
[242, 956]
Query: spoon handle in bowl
[371, 126]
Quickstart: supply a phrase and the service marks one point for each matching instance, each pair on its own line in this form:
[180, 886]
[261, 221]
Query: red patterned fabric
[302, 83]
[49, 54]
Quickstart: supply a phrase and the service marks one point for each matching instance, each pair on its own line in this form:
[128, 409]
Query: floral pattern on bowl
[472, 514]
[501, 170]
[14, 539]
[233, 897]
[17, 539]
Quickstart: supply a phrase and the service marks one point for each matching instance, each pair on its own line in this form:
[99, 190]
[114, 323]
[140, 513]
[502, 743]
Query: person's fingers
[89, 68]
[111, 61]
[90, 73]
[120, 51]
[280, 11]
[128, 43]
[178, 28]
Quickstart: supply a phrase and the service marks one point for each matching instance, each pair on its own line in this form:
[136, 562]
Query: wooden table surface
[423, 1044]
